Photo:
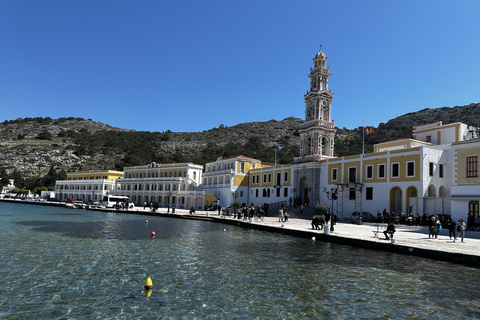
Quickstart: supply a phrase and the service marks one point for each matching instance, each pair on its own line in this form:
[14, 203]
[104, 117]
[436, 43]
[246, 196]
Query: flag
[369, 130]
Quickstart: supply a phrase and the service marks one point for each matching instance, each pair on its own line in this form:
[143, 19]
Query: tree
[38, 190]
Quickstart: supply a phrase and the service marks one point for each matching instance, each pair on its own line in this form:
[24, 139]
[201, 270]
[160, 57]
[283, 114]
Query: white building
[86, 186]
[168, 185]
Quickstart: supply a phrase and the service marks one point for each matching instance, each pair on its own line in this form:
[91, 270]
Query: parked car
[366, 217]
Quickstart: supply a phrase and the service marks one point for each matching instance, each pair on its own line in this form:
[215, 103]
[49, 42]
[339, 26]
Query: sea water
[59, 263]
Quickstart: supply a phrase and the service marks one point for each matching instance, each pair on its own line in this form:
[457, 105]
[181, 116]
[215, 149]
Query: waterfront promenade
[411, 240]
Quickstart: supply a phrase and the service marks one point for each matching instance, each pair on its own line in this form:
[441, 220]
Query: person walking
[461, 229]
[280, 215]
[301, 208]
[451, 229]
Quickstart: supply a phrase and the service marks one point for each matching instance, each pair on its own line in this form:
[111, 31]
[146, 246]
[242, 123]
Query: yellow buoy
[148, 284]
[146, 221]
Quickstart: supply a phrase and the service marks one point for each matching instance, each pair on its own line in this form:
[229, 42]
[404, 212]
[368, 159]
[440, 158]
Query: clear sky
[194, 65]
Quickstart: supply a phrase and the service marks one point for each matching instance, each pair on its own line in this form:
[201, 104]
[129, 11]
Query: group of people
[245, 212]
[319, 221]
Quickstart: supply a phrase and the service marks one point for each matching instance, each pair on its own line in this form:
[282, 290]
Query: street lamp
[332, 195]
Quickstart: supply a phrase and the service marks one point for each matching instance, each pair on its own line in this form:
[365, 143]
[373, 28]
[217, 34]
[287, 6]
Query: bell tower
[317, 133]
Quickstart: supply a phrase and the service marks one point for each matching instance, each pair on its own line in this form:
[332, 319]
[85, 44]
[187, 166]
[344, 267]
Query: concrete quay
[412, 240]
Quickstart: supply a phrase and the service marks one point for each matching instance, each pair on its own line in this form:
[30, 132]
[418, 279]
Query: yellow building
[271, 184]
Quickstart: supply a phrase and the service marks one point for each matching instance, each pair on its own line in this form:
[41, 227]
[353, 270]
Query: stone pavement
[408, 239]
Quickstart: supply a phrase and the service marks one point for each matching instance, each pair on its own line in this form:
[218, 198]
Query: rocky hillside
[31, 147]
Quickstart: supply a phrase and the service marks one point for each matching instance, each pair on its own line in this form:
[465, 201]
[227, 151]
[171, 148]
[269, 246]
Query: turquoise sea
[59, 263]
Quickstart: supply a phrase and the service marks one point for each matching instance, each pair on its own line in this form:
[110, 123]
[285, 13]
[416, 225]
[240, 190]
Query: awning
[210, 197]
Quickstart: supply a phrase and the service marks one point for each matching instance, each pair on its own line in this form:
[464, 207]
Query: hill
[36, 151]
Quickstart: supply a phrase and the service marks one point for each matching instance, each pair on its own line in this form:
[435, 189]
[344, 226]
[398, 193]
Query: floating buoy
[313, 238]
[146, 221]
[152, 234]
[148, 284]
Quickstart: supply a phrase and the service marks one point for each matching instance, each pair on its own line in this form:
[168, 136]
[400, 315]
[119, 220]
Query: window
[352, 174]
[430, 169]
[395, 170]
[473, 209]
[472, 169]
[381, 171]
[351, 194]
[369, 172]
[285, 176]
[334, 174]
[264, 178]
[429, 138]
[278, 192]
[242, 167]
[269, 177]
[369, 195]
[440, 170]
[256, 193]
[410, 169]
[279, 178]
[285, 192]
[241, 193]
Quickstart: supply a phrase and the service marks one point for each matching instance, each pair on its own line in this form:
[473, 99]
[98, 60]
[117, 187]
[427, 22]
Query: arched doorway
[303, 190]
[396, 200]
[411, 200]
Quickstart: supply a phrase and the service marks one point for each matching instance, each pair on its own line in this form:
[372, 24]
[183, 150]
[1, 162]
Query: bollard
[326, 229]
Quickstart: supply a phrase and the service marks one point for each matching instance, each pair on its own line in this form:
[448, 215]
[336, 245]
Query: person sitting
[390, 230]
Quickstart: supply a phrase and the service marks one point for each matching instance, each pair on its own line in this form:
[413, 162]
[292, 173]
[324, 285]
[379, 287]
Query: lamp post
[332, 195]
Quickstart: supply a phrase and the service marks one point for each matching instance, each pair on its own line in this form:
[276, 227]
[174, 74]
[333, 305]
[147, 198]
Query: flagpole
[276, 147]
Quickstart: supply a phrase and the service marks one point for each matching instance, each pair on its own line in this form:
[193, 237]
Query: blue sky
[194, 65]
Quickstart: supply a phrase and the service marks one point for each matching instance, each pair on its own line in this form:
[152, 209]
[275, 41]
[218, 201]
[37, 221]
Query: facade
[87, 186]
[168, 185]
[227, 180]
[271, 184]
[466, 182]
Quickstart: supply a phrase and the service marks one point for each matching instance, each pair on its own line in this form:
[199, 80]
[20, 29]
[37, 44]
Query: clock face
[311, 103]
[324, 102]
